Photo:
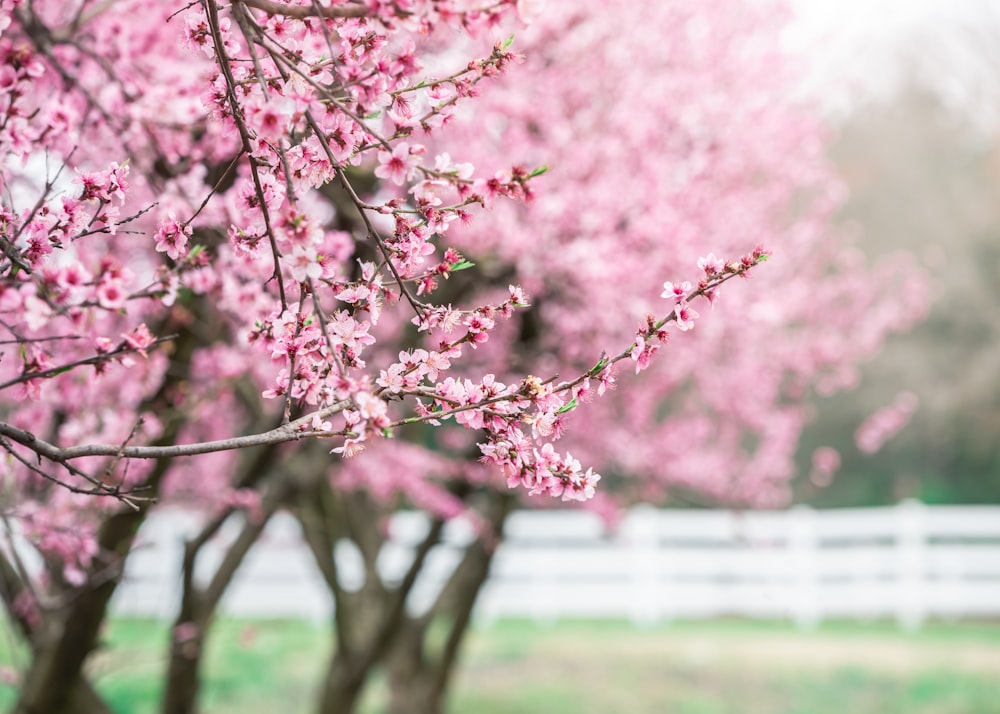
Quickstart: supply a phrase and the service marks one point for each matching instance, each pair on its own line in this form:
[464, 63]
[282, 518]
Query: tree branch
[118, 351]
[300, 12]
[293, 431]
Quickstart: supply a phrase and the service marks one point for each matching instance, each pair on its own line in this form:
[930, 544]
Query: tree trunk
[419, 677]
[199, 604]
[183, 683]
[54, 682]
[73, 697]
[416, 695]
[414, 687]
[342, 686]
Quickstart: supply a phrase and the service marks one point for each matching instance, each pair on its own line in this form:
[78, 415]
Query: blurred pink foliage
[185, 209]
[884, 424]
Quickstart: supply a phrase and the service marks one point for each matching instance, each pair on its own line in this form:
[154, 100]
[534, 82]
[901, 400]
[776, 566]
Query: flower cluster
[288, 209]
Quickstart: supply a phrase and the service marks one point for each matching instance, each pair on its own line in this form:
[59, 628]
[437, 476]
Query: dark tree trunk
[367, 621]
[342, 686]
[183, 682]
[199, 604]
[419, 676]
[414, 687]
[84, 700]
[54, 682]
[416, 695]
[373, 628]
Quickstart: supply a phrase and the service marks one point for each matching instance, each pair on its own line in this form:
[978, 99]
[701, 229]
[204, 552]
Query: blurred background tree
[923, 174]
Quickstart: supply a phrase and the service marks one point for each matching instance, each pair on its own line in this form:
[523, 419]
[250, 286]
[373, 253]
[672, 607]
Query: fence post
[911, 544]
[804, 554]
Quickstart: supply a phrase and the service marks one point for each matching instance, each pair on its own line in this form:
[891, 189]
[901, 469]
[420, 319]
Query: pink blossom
[279, 387]
[170, 285]
[271, 118]
[428, 192]
[349, 332]
[105, 185]
[397, 166]
[479, 325]
[581, 487]
[36, 312]
[343, 137]
[392, 379]
[685, 317]
[677, 291]
[606, 381]
[172, 238]
[444, 164]
[642, 353]
[711, 265]
[318, 424]
[371, 408]
[517, 296]
[351, 447]
[111, 293]
[140, 339]
[435, 364]
[186, 632]
[529, 10]
[304, 265]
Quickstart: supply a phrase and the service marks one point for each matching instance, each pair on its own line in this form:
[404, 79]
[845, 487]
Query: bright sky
[951, 46]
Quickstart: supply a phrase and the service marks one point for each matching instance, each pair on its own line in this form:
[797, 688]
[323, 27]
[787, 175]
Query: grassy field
[721, 667]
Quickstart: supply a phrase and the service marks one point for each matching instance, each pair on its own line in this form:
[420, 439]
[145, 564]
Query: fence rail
[908, 562]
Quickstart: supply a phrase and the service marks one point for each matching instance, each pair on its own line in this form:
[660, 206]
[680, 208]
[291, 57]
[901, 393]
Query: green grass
[718, 667]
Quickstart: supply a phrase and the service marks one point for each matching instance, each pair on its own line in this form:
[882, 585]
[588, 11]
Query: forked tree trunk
[367, 621]
[372, 627]
[419, 676]
[199, 603]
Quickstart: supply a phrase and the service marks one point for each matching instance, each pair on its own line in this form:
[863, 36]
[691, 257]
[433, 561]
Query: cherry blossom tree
[711, 151]
[246, 244]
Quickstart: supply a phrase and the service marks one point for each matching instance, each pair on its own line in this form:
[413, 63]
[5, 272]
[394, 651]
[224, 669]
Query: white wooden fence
[909, 562]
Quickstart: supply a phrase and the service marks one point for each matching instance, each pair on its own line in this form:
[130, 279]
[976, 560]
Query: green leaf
[573, 404]
[538, 172]
[508, 42]
[462, 265]
[599, 367]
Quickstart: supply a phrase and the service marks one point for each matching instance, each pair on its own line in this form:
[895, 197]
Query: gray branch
[293, 431]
